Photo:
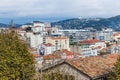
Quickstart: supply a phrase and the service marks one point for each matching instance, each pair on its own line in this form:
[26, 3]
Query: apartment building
[91, 47]
[60, 42]
[105, 34]
[38, 26]
[35, 40]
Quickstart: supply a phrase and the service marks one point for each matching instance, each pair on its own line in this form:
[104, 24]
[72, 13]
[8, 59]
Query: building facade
[91, 47]
[60, 42]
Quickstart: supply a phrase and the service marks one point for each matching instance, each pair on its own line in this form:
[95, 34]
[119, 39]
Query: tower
[11, 24]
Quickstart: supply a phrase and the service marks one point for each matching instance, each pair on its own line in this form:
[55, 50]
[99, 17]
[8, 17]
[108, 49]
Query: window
[44, 40]
[65, 41]
[56, 42]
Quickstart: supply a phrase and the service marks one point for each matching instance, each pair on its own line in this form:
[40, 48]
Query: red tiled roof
[68, 52]
[51, 56]
[95, 66]
[116, 34]
[90, 41]
[37, 26]
[57, 54]
[98, 47]
[48, 44]
[64, 51]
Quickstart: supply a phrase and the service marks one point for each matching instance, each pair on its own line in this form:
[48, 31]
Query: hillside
[97, 23]
[3, 25]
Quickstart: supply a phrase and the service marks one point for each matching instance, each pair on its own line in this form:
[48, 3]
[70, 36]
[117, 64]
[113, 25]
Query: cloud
[59, 8]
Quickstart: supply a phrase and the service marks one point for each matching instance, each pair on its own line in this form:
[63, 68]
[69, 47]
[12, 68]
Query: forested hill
[97, 23]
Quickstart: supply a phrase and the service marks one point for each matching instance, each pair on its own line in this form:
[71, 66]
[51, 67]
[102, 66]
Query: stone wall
[69, 70]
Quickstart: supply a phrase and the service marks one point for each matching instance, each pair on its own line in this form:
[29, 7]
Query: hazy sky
[51, 10]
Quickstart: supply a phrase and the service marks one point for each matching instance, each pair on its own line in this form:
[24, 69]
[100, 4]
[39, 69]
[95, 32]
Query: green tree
[117, 69]
[54, 75]
[115, 74]
[16, 63]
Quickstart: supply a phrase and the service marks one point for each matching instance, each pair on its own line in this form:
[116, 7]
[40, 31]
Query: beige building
[60, 42]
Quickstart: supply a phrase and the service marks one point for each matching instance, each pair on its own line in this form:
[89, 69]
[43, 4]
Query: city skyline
[22, 11]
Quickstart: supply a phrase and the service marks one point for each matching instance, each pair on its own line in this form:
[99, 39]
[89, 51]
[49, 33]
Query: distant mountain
[97, 23]
[3, 25]
[17, 25]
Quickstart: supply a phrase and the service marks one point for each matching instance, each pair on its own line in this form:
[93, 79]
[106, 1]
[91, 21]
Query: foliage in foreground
[115, 74]
[53, 76]
[16, 63]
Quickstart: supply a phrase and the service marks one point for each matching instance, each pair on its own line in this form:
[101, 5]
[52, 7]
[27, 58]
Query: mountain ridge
[81, 23]
[96, 23]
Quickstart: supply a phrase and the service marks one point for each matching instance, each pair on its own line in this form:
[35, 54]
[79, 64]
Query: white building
[113, 49]
[48, 27]
[54, 29]
[45, 49]
[38, 27]
[91, 47]
[27, 25]
[35, 40]
[105, 34]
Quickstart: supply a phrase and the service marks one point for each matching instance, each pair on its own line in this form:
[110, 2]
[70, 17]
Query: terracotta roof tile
[64, 51]
[51, 56]
[116, 34]
[95, 66]
[48, 44]
[57, 54]
[68, 52]
[37, 26]
[98, 47]
[90, 41]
